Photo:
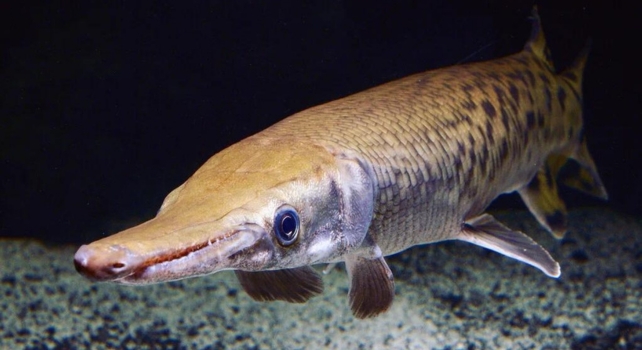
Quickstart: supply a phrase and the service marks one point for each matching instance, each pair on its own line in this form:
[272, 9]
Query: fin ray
[372, 286]
[295, 285]
[487, 232]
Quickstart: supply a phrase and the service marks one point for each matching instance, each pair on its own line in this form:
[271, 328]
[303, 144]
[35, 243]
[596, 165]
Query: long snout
[102, 265]
[196, 250]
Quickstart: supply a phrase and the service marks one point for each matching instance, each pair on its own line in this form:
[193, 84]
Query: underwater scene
[448, 296]
[320, 175]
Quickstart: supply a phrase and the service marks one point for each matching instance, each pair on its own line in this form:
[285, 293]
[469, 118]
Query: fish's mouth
[122, 264]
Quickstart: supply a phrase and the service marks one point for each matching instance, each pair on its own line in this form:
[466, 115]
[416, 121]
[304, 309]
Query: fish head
[261, 204]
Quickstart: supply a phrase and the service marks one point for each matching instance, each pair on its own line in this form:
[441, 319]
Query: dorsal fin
[537, 41]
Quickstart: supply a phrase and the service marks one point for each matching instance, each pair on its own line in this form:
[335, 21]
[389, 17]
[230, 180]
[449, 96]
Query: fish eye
[286, 226]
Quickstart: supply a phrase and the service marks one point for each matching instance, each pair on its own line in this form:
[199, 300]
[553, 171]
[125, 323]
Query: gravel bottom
[449, 295]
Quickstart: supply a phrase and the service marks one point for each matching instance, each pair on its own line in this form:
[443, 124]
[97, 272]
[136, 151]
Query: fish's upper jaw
[116, 262]
[109, 265]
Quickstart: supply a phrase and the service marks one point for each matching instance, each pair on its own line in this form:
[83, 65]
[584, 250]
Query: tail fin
[541, 195]
[583, 177]
[576, 70]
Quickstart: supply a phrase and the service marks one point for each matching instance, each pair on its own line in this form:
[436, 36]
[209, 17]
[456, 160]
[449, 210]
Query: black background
[107, 106]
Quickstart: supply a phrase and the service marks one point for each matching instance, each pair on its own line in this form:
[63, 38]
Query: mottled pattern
[445, 143]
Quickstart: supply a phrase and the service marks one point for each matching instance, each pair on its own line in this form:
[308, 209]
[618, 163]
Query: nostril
[99, 264]
[79, 265]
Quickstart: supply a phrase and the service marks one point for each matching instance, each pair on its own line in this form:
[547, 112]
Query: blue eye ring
[286, 226]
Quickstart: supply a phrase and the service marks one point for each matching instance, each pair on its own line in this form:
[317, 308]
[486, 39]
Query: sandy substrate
[448, 296]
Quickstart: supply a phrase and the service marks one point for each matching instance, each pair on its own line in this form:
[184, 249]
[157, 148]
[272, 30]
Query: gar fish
[410, 162]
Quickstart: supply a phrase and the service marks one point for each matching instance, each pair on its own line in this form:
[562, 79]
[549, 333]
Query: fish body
[410, 162]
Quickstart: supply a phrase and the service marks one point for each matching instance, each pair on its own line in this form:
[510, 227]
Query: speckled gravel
[448, 296]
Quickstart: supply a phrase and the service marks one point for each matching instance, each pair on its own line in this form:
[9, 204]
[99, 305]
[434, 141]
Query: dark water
[106, 107]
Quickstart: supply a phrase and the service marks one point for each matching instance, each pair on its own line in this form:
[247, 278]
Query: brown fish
[410, 162]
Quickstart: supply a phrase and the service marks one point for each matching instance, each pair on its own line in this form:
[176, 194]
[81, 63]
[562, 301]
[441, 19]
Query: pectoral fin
[372, 286]
[542, 199]
[293, 285]
[487, 232]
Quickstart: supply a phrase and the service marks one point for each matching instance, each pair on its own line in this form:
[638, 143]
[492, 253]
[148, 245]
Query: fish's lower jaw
[119, 264]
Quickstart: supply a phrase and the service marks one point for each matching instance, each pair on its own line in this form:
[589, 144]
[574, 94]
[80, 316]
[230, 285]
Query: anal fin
[487, 232]
[293, 285]
[372, 286]
[542, 199]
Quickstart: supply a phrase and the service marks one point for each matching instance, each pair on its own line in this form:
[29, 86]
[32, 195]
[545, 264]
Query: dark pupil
[288, 225]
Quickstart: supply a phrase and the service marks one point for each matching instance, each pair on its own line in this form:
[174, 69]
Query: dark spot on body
[514, 92]
[549, 99]
[480, 84]
[491, 173]
[335, 191]
[490, 131]
[461, 150]
[500, 94]
[494, 76]
[470, 175]
[525, 137]
[484, 155]
[531, 77]
[540, 119]
[457, 164]
[530, 119]
[469, 105]
[467, 88]
[544, 78]
[489, 108]
[503, 150]
[518, 76]
[473, 158]
[429, 170]
[561, 97]
[505, 119]
[530, 98]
